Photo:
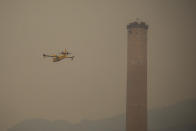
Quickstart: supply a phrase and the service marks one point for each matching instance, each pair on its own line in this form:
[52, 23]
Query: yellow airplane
[64, 54]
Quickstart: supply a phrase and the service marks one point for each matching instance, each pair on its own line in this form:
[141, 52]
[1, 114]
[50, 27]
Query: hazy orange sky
[93, 86]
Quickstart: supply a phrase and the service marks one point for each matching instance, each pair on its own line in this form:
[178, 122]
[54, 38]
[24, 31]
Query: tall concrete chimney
[136, 108]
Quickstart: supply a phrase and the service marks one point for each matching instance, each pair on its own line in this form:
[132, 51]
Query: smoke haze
[93, 86]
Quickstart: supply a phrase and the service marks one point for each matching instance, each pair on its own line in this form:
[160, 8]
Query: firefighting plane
[64, 54]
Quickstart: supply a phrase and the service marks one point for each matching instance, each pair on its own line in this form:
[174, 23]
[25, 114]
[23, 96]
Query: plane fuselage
[58, 58]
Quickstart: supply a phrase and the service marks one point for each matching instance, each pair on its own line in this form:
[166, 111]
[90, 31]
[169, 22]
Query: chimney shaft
[136, 108]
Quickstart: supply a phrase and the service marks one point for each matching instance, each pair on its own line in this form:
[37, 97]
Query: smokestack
[136, 107]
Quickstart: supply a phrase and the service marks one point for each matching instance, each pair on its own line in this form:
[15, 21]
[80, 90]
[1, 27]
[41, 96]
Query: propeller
[67, 53]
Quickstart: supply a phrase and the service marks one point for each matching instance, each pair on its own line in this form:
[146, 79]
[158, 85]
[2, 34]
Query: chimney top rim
[137, 24]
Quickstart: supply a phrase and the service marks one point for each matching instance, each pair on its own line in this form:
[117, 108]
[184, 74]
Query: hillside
[178, 117]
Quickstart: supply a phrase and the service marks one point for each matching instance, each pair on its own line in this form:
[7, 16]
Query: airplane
[64, 54]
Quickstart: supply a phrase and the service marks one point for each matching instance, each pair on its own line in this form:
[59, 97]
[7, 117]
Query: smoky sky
[93, 86]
